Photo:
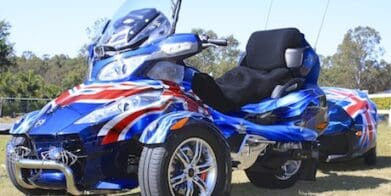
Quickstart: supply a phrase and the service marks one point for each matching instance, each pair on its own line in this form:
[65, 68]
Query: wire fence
[13, 107]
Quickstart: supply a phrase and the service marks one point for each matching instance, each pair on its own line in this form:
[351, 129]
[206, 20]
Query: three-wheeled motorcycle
[146, 118]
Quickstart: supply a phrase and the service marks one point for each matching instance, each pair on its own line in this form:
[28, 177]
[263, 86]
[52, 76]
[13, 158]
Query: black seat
[262, 69]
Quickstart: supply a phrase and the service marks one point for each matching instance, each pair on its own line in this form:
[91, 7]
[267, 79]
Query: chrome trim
[334, 156]
[195, 157]
[46, 164]
[251, 147]
[290, 167]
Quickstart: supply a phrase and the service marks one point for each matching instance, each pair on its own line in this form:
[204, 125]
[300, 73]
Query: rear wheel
[370, 157]
[291, 168]
[193, 161]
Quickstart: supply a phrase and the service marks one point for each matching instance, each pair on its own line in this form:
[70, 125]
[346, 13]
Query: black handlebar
[218, 42]
[206, 42]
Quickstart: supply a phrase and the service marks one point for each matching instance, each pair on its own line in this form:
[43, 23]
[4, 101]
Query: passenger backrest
[272, 49]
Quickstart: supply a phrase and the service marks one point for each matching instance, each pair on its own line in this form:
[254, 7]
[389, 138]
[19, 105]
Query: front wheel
[193, 161]
[10, 165]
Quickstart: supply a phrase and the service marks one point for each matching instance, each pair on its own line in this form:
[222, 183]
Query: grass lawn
[7, 120]
[349, 178]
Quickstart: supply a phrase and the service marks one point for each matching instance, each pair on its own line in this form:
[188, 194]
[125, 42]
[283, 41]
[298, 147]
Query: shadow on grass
[383, 162]
[333, 181]
[337, 182]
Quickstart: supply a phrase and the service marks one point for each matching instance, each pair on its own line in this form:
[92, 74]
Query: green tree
[29, 61]
[357, 62]
[59, 70]
[76, 71]
[6, 48]
[25, 85]
[216, 60]
[378, 78]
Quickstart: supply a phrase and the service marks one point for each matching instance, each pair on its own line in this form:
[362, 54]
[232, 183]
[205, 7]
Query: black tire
[370, 157]
[154, 162]
[10, 168]
[271, 181]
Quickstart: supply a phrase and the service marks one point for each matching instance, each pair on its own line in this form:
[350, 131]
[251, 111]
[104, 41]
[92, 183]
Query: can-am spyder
[146, 118]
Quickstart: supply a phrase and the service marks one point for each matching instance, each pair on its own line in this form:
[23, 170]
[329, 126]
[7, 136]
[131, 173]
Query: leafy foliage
[357, 63]
[59, 70]
[30, 76]
[6, 48]
[27, 85]
[216, 60]
[382, 103]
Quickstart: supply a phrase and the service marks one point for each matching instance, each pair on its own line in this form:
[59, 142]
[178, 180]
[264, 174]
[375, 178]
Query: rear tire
[265, 180]
[370, 157]
[10, 168]
[159, 165]
[292, 168]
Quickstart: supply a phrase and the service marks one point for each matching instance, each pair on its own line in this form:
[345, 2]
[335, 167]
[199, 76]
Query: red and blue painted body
[352, 128]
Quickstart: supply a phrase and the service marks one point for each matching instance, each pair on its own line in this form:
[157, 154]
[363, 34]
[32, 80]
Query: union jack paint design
[360, 109]
[125, 125]
[117, 129]
[103, 93]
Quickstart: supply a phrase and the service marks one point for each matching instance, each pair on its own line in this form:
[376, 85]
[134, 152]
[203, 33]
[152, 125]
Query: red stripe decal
[67, 99]
[113, 134]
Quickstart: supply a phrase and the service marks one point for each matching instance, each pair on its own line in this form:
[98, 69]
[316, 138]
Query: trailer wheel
[265, 180]
[370, 157]
[292, 171]
[193, 161]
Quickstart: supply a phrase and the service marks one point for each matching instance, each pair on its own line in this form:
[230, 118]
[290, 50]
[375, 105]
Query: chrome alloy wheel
[192, 169]
[290, 167]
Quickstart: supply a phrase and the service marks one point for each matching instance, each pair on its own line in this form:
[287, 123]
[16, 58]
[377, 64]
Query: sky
[54, 26]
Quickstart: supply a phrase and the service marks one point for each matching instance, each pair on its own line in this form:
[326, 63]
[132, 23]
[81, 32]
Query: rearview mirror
[101, 51]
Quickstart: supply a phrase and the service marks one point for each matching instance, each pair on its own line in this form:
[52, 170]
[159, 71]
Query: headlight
[120, 68]
[123, 105]
[55, 153]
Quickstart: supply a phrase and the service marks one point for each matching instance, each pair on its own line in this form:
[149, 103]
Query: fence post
[389, 118]
[1, 107]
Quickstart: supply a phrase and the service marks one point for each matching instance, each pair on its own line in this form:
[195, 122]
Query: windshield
[137, 22]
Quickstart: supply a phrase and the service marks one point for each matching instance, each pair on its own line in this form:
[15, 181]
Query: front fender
[159, 130]
[25, 123]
